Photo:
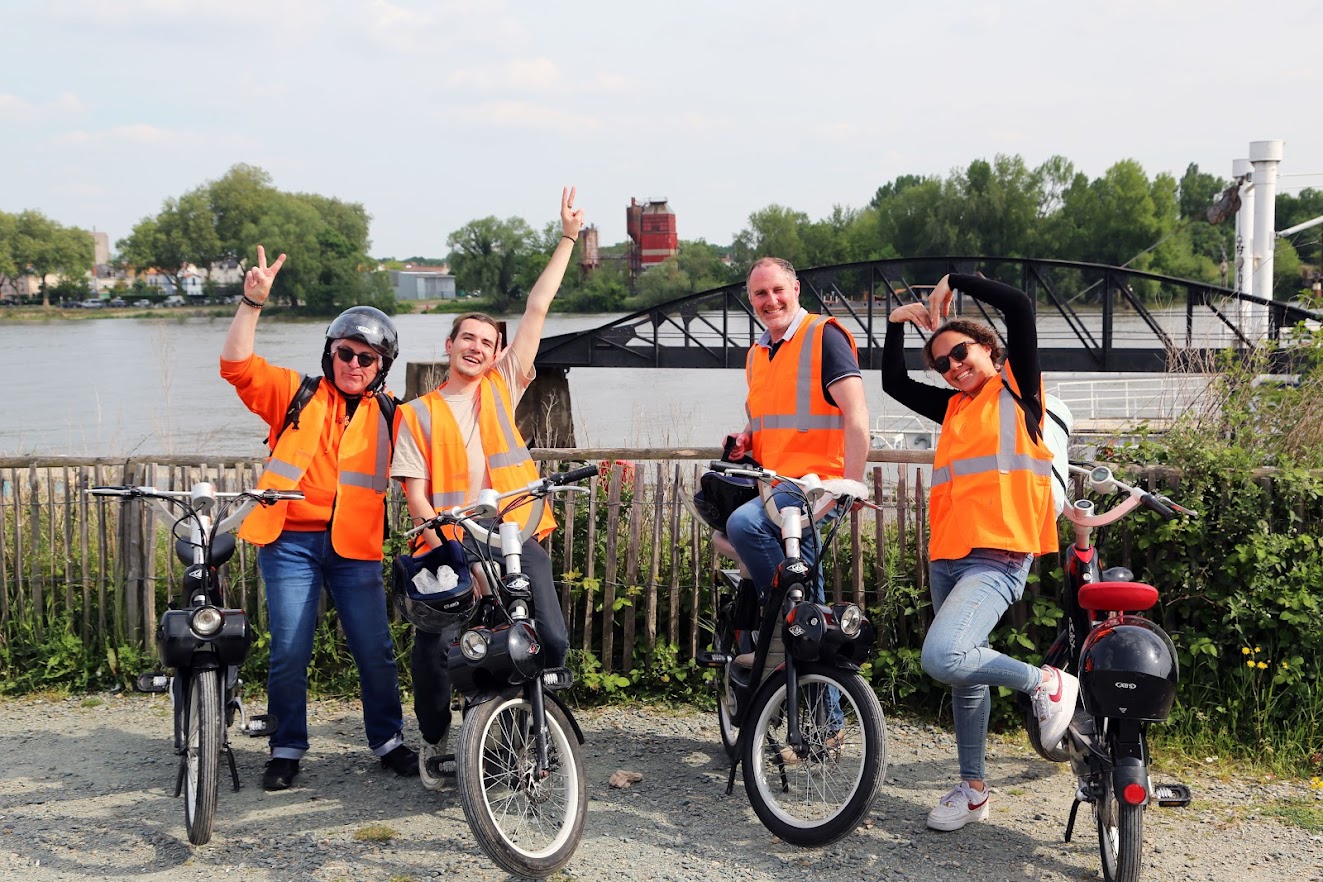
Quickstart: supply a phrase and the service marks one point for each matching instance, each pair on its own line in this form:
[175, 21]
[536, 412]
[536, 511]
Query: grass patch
[92, 701]
[1303, 813]
[375, 833]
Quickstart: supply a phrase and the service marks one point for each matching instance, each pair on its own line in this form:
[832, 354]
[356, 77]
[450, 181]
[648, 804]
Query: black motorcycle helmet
[719, 495]
[369, 325]
[438, 611]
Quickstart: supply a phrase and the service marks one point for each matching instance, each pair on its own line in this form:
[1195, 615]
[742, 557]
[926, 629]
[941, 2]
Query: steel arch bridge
[1091, 317]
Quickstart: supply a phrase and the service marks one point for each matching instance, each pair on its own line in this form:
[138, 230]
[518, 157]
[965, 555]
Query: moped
[519, 764]
[203, 641]
[1128, 672]
[792, 707]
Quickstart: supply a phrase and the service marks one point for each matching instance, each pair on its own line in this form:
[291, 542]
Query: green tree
[774, 231]
[492, 255]
[8, 247]
[182, 234]
[43, 247]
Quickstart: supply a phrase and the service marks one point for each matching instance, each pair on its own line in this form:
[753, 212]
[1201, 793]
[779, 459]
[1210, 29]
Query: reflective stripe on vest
[803, 419]
[1009, 419]
[509, 463]
[991, 484]
[358, 517]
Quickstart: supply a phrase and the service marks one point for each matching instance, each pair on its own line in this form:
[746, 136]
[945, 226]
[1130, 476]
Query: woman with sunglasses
[334, 446]
[990, 513]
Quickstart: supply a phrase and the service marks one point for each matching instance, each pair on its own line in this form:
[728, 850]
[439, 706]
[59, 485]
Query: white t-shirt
[409, 461]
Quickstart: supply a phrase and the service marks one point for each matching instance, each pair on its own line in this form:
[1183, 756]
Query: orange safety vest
[992, 483]
[796, 430]
[509, 465]
[359, 517]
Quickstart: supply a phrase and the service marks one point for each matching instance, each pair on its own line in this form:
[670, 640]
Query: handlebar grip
[1153, 503]
[572, 476]
[114, 490]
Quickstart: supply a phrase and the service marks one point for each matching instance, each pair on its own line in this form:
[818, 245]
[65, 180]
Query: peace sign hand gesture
[258, 280]
[571, 218]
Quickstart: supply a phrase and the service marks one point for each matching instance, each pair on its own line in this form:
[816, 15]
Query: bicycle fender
[569, 715]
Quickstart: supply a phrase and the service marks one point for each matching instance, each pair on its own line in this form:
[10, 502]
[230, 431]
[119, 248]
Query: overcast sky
[434, 112]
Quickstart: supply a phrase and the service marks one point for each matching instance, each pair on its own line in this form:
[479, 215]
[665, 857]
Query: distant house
[422, 283]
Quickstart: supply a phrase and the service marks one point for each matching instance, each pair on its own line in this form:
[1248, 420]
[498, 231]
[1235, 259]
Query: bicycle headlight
[473, 644]
[206, 621]
[851, 620]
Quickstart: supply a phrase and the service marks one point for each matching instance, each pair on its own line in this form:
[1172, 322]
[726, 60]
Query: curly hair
[976, 331]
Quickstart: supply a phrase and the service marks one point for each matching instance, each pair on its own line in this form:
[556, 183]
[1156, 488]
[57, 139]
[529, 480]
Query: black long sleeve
[1021, 330]
[1021, 348]
[922, 398]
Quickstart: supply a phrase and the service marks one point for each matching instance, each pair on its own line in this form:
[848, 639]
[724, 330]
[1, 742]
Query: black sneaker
[403, 761]
[279, 773]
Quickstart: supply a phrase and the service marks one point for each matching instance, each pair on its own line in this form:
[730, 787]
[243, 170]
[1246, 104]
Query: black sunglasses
[958, 352]
[365, 359]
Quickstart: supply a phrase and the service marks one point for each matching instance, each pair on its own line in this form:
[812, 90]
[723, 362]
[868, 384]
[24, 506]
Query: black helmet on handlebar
[719, 495]
[434, 591]
[369, 325]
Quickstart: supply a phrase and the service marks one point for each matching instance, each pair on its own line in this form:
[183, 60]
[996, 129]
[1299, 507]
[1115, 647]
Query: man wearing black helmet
[335, 449]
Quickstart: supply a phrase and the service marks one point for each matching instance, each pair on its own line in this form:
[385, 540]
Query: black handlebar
[572, 476]
[1154, 503]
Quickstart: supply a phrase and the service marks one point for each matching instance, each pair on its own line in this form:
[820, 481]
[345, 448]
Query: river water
[137, 386]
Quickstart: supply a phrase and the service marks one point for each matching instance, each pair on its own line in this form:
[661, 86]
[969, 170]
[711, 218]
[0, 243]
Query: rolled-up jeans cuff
[390, 744]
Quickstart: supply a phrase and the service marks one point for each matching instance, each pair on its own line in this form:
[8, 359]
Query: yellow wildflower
[1249, 663]
[1244, 650]
[1257, 650]
[1260, 665]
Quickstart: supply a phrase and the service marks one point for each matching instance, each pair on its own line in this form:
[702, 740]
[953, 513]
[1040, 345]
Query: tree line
[999, 208]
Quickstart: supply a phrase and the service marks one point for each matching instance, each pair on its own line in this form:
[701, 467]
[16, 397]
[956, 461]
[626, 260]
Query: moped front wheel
[818, 792]
[530, 825]
[202, 747]
[1120, 835]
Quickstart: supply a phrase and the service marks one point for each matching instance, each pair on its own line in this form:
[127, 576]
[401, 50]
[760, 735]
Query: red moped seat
[1118, 596]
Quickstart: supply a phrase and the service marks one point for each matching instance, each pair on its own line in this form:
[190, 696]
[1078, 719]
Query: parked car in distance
[144, 303]
[117, 303]
[174, 300]
[93, 303]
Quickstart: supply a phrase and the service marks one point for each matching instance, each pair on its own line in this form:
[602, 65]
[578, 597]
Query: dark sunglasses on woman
[943, 364]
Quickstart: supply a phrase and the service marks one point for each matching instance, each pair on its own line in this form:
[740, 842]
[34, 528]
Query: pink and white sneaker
[962, 805]
[1054, 705]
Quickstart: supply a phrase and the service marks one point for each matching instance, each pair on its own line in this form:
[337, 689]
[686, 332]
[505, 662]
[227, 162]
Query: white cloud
[525, 115]
[18, 109]
[536, 75]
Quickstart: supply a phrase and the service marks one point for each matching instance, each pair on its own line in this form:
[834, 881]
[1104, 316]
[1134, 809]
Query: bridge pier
[544, 416]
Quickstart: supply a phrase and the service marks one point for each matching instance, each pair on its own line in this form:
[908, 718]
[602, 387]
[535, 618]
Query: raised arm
[922, 398]
[257, 283]
[1018, 311]
[528, 336]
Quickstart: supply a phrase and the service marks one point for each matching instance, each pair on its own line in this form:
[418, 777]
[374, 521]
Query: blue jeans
[295, 568]
[970, 595]
[757, 540]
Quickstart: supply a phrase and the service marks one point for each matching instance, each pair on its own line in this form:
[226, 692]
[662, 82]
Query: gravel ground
[85, 790]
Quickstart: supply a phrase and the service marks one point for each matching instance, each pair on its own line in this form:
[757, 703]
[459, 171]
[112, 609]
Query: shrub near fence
[84, 580]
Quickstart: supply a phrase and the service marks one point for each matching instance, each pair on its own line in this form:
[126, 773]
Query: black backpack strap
[388, 404]
[307, 388]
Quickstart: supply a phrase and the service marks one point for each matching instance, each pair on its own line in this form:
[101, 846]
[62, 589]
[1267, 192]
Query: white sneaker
[1054, 705]
[425, 775]
[962, 805]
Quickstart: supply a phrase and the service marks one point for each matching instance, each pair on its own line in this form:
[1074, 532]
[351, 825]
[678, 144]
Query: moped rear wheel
[529, 826]
[818, 793]
[202, 747]
[1120, 836]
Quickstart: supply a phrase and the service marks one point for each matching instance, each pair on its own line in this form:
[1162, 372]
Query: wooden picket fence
[637, 566]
